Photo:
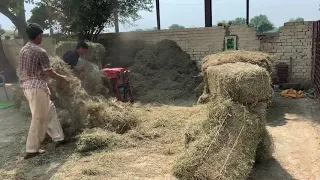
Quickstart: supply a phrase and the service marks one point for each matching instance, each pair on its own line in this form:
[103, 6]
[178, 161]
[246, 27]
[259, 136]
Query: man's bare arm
[53, 75]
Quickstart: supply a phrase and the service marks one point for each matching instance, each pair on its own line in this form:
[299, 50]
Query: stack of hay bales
[91, 77]
[234, 136]
[163, 72]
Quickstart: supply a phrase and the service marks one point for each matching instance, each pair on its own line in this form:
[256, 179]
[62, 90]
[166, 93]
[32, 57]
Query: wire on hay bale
[242, 82]
[258, 58]
[226, 148]
[95, 53]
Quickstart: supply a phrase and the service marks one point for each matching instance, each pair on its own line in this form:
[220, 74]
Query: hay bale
[227, 148]
[95, 139]
[242, 82]
[95, 53]
[258, 58]
[165, 71]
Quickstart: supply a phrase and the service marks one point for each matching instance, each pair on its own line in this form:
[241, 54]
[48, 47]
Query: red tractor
[120, 79]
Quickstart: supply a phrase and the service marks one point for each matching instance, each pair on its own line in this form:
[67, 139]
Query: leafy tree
[152, 29]
[176, 26]
[262, 23]
[238, 21]
[88, 18]
[42, 14]
[14, 10]
[299, 19]
[138, 30]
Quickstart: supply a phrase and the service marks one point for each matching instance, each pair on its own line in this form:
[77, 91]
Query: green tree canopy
[262, 23]
[43, 15]
[88, 18]
[176, 26]
[299, 19]
[238, 21]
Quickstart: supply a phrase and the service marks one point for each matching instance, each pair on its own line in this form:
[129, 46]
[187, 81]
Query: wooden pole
[158, 14]
[208, 13]
[116, 18]
[248, 9]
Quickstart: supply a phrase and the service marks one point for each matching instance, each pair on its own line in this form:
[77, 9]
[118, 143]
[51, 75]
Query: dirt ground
[294, 125]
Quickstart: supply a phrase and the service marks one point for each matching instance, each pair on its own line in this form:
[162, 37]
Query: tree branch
[5, 11]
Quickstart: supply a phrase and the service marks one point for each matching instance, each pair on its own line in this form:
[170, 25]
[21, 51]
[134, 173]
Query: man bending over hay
[34, 70]
[72, 57]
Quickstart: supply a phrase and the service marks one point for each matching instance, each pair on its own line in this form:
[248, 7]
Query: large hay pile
[95, 52]
[233, 138]
[163, 72]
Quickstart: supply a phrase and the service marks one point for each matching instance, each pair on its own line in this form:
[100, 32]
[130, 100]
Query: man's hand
[64, 79]
[52, 74]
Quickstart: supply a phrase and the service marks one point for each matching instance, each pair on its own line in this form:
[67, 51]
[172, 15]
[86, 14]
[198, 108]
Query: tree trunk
[18, 21]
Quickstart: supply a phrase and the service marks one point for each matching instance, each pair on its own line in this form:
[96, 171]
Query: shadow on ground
[272, 170]
[281, 109]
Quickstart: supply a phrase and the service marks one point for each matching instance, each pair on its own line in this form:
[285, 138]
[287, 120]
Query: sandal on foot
[31, 155]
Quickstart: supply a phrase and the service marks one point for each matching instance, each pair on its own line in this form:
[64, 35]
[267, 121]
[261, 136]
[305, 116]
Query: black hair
[82, 44]
[33, 30]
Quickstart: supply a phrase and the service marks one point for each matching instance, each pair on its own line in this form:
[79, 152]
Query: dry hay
[95, 52]
[87, 111]
[242, 82]
[163, 72]
[95, 139]
[225, 145]
[91, 80]
[78, 110]
[258, 58]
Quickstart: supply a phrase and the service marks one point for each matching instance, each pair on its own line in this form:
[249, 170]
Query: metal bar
[116, 17]
[316, 57]
[247, 16]
[208, 13]
[158, 14]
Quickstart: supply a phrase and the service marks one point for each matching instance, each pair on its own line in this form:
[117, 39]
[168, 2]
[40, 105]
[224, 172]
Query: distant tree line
[261, 22]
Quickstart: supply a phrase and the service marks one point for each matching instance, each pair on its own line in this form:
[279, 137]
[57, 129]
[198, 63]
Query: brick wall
[198, 42]
[293, 42]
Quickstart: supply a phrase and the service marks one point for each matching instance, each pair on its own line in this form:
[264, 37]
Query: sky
[190, 13]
